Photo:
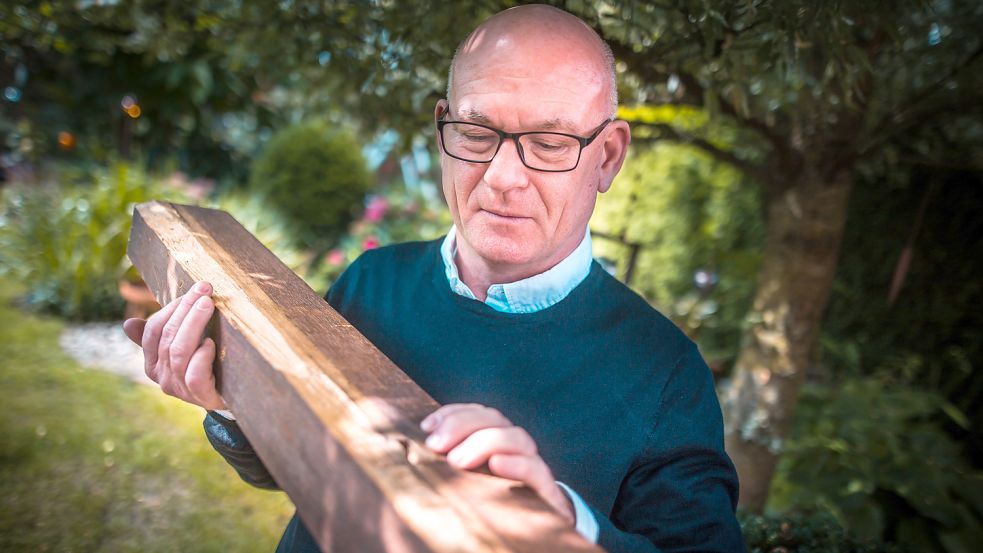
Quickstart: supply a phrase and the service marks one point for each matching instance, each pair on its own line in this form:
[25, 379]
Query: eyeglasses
[553, 152]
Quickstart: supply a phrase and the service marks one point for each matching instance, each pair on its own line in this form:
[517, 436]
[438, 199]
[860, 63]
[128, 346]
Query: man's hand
[175, 357]
[473, 435]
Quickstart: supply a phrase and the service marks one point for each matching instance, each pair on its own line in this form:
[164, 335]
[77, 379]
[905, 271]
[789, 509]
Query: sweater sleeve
[229, 441]
[681, 492]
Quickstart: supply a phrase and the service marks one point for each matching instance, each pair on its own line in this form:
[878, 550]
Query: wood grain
[333, 419]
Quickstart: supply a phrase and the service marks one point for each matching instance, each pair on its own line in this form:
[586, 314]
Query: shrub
[876, 458]
[395, 214]
[68, 242]
[803, 533]
[929, 338]
[693, 217]
[315, 177]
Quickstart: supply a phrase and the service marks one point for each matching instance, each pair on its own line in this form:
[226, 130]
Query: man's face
[506, 213]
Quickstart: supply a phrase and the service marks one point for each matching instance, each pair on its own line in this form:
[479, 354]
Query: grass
[90, 461]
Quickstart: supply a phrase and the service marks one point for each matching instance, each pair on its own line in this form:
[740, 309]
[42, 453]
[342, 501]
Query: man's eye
[479, 138]
[549, 146]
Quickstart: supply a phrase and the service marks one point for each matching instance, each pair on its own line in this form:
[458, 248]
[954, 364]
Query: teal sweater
[619, 401]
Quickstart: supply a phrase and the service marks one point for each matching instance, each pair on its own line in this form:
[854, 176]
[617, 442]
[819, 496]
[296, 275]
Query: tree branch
[668, 132]
[906, 120]
[641, 65]
[693, 92]
[773, 138]
[897, 121]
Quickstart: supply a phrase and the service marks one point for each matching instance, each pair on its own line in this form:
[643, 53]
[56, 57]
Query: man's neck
[478, 274]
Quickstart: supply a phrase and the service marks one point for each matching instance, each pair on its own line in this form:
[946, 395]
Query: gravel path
[104, 346]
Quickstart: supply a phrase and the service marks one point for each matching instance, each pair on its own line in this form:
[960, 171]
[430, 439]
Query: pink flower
[370, 242]
[376, 210]
[336, 257]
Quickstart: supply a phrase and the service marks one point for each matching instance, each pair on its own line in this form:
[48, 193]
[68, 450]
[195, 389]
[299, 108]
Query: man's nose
[506, 170]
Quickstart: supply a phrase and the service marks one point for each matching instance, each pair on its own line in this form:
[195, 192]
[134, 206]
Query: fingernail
[428, 424]
[203, 303]
[434, 441]
[202, 288]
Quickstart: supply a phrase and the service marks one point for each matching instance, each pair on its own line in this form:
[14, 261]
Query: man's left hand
[472, 435]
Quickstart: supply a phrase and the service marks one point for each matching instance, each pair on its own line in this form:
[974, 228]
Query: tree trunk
[804, 230]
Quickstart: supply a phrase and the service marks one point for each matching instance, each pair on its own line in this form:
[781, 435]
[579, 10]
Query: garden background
[803, 197]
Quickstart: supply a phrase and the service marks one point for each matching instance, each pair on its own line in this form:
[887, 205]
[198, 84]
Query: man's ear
[440, 109]
[615, 148]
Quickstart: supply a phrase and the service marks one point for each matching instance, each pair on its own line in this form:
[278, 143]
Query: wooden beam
[333, 419]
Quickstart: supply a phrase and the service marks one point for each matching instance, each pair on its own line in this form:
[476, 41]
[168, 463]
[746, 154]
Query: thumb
[133, 328]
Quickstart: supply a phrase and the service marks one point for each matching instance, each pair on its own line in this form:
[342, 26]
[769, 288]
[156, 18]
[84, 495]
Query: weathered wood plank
[334, 420]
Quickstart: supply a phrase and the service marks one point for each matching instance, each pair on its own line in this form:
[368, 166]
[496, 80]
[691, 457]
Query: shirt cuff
[585, 523]
[226, 414]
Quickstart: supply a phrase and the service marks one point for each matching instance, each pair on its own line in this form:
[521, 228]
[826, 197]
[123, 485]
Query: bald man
[552, 372]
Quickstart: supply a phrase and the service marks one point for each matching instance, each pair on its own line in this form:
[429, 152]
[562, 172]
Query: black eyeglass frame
[502, 136]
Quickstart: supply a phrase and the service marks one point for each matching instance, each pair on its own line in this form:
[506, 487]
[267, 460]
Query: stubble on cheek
[465, 184]
[451, 189]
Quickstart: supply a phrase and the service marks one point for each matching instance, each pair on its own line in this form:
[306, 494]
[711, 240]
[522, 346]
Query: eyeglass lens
[544, 151]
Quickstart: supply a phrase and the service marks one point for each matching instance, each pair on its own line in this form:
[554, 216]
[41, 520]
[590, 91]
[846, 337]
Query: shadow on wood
[333, 419]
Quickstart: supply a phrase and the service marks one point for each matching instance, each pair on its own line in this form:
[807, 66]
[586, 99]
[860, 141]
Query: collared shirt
[528, 296]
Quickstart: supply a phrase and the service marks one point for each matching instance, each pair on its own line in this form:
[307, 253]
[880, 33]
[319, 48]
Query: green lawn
[90, 461]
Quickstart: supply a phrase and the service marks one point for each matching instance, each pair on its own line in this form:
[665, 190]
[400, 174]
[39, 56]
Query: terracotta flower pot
[140, 301]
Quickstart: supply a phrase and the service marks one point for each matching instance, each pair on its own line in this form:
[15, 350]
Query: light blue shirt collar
[529, 294]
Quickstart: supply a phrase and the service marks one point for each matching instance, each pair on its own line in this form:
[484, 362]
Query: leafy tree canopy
[838, 80]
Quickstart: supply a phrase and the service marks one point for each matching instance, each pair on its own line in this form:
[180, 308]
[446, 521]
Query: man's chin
[504, 251]
[504, 256]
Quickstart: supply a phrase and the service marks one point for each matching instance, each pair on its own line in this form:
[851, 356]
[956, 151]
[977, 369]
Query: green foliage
[74, 62]
[688, 213]
[875, 457]
[396, 213]
[803, 533]
[806, 82]
[69, 241]
[315, 177]
[853, 74]
[929, 337]
[90, 461]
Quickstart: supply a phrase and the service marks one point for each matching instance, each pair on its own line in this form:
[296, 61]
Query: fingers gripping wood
[336, 423]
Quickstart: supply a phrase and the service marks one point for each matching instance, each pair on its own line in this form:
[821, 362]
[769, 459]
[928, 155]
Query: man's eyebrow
[553, 124]
[471, 114]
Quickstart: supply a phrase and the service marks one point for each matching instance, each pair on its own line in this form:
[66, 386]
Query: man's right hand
[174, 354]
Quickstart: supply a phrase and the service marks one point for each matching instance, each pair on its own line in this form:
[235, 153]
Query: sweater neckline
[566, 306]
[533, 293]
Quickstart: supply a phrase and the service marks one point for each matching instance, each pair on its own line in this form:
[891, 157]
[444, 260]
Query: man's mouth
[504, 214]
